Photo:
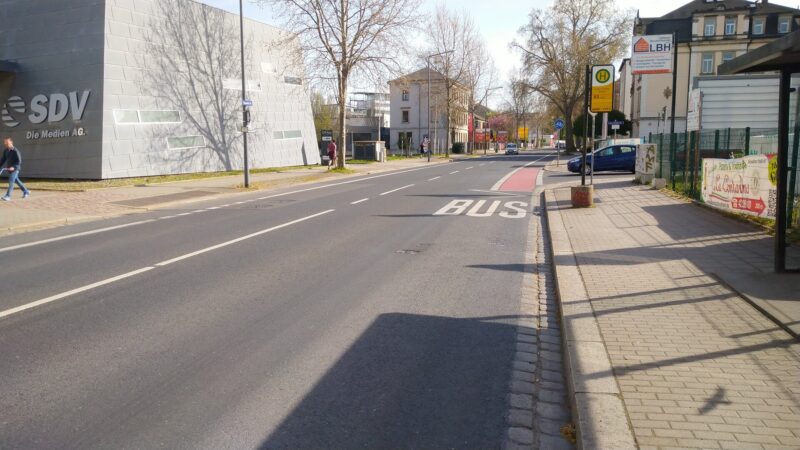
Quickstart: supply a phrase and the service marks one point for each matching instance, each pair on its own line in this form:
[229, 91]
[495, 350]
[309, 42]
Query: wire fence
[680, 157]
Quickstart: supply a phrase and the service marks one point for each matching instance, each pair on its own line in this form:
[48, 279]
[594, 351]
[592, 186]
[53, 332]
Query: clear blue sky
[498, 20]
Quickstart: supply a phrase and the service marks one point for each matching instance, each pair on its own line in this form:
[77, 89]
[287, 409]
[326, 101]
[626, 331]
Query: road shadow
[410, 381]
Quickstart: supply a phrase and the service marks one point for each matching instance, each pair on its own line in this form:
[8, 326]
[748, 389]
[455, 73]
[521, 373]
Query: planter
[582, 196]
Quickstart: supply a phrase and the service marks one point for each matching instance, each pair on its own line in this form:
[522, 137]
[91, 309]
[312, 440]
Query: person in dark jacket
[11, 161]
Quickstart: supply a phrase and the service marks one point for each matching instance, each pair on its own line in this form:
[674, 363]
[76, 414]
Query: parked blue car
[615, 157]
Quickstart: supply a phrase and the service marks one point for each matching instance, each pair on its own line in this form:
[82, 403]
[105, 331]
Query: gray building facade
[101, 89]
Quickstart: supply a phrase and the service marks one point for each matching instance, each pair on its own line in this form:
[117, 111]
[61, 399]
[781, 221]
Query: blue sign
[247, 102]
[616, 122]
[559, 124]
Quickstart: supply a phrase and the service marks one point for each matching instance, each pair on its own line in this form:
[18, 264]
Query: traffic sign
[559, 124]
[247, 102]
[602, 89]
[327, 135]
[618, 123]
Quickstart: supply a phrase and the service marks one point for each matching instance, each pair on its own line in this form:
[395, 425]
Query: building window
[708, 64]
[129, 117]
[710, 28]
[784, 24]
[730, 26]
[182, 142]
[727, 56]
[293, 80]
[405, 116]
[405, 95]
[290, 134]
[758, 25]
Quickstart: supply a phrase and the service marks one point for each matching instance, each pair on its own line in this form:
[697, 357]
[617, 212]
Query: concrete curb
[598, 411]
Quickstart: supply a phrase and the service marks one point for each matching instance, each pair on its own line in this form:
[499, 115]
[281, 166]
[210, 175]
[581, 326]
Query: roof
[420, 75]
[783, 53]
[703, 6]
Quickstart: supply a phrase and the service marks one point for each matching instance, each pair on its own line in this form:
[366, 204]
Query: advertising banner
[602, 99]
[652, 54]
[522, 132]
[481, 135]
[502, 137]
[744, 185]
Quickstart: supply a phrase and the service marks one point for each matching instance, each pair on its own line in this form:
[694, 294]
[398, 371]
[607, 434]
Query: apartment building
[411, 114]
[709, 33]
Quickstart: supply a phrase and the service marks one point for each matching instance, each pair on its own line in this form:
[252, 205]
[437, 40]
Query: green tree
[324, 114]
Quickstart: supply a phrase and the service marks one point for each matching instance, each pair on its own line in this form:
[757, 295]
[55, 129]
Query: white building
[411, 113]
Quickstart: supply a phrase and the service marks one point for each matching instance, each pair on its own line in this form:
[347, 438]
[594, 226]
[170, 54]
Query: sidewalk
[45, 209]
[662, 350]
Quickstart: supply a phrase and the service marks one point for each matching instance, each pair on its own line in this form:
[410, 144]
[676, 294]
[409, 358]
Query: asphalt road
[354, 314]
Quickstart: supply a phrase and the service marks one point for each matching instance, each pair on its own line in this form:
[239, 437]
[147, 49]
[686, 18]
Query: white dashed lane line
[434, 178]
[454, 172]
[123, 276]
[359, 201]
[470, 168]
[398, 189]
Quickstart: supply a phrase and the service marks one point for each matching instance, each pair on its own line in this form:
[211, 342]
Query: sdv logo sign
[52, 108]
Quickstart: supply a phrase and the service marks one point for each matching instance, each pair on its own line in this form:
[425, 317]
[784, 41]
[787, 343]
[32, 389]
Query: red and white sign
[742, 185]
[652, 54]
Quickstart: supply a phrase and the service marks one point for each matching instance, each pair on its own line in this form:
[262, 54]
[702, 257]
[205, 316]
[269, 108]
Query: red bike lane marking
[523, 180]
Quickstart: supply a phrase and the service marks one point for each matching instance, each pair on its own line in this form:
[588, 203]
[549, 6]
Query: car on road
[561, 145]
[612, 158]
[511, 149]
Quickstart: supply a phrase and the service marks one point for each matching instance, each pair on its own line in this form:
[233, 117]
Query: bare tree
[481, 79]
[453, 35]
[343, 38]
[560, 41]
[520, 99]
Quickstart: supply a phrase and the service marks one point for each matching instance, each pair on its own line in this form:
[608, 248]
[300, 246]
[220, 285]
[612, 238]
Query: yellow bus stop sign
[602, 99]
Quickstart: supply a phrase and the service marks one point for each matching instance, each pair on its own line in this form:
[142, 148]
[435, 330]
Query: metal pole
[585, 126]
[428, 149]
[244, 97]
[674, 79]
[783, 169]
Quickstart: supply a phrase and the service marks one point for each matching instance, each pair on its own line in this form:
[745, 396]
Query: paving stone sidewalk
[697, 366]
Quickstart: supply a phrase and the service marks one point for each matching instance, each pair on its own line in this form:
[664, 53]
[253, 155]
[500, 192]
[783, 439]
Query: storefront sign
[43, 109]
[652, 54]
[744, 185]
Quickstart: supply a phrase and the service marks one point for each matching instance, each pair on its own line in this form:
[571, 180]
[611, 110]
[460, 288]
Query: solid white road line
[359, 201]
[85, 233]
[240, 239]
[53, 298]
[398, 189]
[88, 287]
[434, 178]
[101, 230]
[499, 184]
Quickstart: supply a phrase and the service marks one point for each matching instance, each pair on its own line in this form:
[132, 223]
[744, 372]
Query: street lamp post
[428, 61]
[245, 112]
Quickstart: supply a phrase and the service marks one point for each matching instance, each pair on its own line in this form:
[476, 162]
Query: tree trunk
[569, 138]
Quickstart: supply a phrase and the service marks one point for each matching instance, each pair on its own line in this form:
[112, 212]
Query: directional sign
[602, 89]
[327, 135]
[618, 123]
[247, 102]
[559, 124]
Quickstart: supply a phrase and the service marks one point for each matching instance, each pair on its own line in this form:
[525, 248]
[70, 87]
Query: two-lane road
[373, 312]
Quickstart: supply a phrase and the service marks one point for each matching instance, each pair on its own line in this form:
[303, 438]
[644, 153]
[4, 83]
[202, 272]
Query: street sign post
[247, 103]
[602, 99]
[327, 135]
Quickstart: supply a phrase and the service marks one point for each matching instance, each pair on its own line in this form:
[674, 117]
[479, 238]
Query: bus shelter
[783, 56]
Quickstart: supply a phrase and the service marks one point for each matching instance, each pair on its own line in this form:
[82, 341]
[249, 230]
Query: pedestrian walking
[11, 162]
[332, 154]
